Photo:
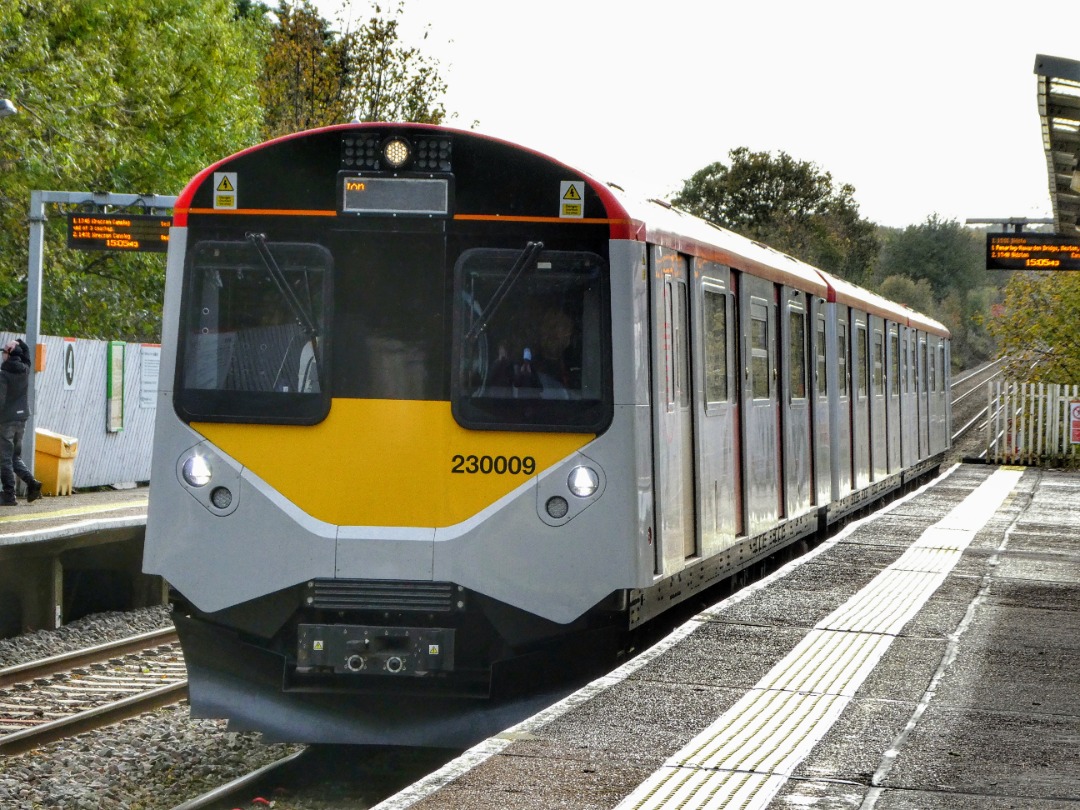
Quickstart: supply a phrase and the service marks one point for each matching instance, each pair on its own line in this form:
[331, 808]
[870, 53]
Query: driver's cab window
[530, 334]
[254, 335]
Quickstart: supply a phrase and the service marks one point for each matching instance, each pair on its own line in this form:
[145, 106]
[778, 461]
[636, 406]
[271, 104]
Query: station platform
[925, 657]
[51, 547]
[53, 517]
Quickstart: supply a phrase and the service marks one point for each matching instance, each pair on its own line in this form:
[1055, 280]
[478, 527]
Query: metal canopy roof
[1059, 112]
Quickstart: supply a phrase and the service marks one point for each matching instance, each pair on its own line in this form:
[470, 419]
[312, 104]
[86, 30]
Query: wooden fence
[1033, 423]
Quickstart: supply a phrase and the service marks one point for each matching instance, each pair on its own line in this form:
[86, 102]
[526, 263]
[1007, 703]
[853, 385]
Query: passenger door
[673, 425]
[761, 439]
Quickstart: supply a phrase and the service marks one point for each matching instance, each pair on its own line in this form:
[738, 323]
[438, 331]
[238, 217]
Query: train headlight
[583, 481]
[396, 152]
[197, 471]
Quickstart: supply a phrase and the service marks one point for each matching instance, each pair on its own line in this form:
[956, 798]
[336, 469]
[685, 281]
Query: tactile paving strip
[743, 759]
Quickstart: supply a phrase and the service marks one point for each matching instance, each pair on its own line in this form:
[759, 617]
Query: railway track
[48, 700]
[969, 409]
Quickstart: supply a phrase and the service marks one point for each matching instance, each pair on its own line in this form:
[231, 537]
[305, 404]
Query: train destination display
[141, 232]
[1032, 251]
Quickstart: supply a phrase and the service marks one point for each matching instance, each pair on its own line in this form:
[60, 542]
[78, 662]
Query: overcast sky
[925, 106]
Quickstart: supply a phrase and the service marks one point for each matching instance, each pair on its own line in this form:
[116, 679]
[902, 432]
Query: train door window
[894, 345]
[941, 366]
[255, 332]
[860, 360]
[760, 369]
[819, 352]
[920, 367]
[879, 363]
[931, 371]
[841, 357]
[797, 352]
[681, 344]
[531, 340]
[911, 379]
[715, 313]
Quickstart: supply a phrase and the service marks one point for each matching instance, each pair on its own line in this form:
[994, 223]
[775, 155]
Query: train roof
[666, 225]
[654, 221]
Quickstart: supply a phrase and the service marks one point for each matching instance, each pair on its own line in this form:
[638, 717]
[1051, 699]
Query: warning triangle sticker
[225, 185]
[572, 192]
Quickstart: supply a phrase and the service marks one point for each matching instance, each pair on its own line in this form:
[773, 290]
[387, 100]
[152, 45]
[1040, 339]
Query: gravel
[155, 761]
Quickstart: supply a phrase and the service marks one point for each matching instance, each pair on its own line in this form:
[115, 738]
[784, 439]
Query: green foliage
[790, 205]
[1036, 327]
[945, 263]
[314, 76]
[130, 96]
[914, 293]
[942, 252]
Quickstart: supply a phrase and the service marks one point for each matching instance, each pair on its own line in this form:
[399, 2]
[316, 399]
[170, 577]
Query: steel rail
[59, 663]
[232, 789]
[19, 742]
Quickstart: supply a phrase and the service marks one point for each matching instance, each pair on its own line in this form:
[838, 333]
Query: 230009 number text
[497, 465]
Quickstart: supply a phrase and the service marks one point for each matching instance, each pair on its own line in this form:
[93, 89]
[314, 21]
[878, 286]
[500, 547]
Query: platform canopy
[1059, 112]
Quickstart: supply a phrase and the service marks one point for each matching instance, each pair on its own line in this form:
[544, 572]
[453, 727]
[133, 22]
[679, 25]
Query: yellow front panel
[390, 462]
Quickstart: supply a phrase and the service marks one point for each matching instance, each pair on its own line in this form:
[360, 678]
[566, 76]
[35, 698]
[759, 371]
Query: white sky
[924, 106]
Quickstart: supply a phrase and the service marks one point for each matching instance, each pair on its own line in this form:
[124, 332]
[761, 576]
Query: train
[435, 407]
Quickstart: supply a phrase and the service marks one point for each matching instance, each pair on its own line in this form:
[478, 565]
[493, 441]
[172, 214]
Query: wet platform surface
[927, 657]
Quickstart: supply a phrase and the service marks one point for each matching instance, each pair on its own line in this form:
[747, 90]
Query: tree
[1036, 327]
[948, 261]
[943, 252]
[314, 76]
[790, 205]
[131, 96]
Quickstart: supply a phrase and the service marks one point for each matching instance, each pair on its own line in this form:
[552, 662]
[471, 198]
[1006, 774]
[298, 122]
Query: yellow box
[55, 444]
[54, 461]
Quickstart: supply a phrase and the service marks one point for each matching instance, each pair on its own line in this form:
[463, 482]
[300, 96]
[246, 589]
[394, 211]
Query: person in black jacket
[14, 411]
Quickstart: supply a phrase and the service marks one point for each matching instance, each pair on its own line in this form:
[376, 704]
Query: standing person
[14, 411]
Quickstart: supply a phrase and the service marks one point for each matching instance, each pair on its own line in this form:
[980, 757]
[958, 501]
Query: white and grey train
[434, 405]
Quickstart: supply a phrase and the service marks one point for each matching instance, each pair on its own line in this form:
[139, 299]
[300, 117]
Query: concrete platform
[44, 543]
[927, 657]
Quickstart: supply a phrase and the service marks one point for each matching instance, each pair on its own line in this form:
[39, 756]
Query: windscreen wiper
[299, 312]
[524, 259]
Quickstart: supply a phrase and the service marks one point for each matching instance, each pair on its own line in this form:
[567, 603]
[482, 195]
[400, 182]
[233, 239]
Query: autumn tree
[791, 205]
[1036, 327]
[129, 96]
[315, 76]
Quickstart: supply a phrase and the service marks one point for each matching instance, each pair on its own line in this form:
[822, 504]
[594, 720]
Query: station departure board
[1032, 251]
[128, 232]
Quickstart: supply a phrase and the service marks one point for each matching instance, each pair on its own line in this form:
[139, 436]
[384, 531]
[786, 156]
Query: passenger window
[941, 365]
[759, 350]
[715, 335]
[797, 353]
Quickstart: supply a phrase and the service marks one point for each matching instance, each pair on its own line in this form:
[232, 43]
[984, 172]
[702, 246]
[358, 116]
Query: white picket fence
[1033, 423]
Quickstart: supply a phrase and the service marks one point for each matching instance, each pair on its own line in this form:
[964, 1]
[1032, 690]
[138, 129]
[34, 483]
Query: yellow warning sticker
[572, 198]
[225, 190]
